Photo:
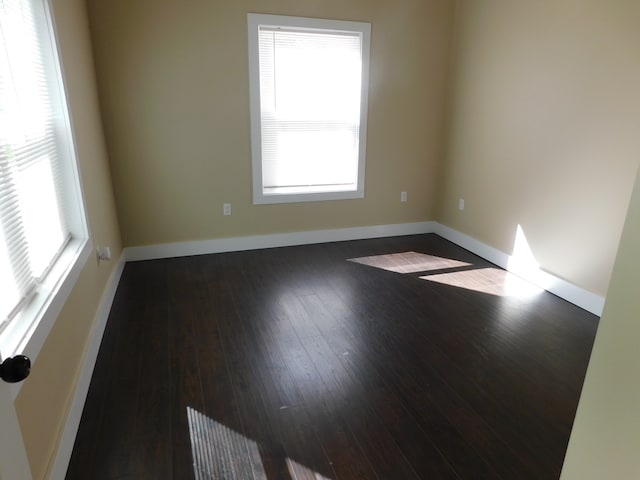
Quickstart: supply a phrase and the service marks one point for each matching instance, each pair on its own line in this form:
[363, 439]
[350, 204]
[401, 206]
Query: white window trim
[26, 335]
[254, 21]
[43, 311]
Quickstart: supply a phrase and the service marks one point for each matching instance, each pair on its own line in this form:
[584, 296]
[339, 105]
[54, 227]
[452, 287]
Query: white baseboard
[184, 249]
[568, 291]
[589, 301]
[65, 448]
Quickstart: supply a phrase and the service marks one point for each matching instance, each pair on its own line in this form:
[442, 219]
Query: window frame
[254, 22]
[28, 331]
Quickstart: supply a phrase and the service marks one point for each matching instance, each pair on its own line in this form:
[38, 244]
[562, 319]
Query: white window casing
[308, 95]
[44, 239]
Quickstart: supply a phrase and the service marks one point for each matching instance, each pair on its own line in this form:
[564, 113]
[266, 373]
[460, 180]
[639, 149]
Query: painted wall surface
[544, 119]
[42, 404]
[174, 91]
[605, 439]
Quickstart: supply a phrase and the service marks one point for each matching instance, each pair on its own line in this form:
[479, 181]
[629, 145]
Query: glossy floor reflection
[332, 369]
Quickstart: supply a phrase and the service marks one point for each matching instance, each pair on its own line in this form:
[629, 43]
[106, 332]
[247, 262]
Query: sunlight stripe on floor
[220, 453]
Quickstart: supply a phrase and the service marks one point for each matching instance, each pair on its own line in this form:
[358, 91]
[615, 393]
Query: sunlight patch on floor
[220, 453]
[492, 281]
[300, 472]
[409, 262]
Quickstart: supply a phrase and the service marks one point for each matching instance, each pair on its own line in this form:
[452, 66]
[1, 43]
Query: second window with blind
[43, 233]
[309, 88]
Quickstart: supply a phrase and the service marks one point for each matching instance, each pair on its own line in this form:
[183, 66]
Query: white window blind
[33, 229]
[308, 106]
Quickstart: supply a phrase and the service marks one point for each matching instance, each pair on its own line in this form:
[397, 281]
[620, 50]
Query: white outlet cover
[461, 204]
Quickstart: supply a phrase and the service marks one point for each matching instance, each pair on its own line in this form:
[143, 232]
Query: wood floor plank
[184, 374]
[335, 369]
[83, 455]
[494, 408]
[115, 441]
[445, 414]
[439, 438]
[152, 450]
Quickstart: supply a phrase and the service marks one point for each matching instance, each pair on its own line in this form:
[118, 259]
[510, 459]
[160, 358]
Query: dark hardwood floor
[336, 368]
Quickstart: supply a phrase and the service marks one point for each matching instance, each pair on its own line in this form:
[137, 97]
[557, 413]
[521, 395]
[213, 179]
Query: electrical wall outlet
[226, 209]
[403, 196]
[103, 254]
[461, 204]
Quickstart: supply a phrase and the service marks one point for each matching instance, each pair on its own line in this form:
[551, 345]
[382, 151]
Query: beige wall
[44, 400]
[544, 129]
[605, 440]
[543, 108]
[174, 91]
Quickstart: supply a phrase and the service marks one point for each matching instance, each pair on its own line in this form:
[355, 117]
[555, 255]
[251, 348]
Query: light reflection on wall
[523, 262]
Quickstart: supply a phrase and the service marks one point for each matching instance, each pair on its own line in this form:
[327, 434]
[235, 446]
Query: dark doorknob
[15, 369]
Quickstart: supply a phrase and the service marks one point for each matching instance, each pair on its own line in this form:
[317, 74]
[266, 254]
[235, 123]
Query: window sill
[27, 333]
[303, 194]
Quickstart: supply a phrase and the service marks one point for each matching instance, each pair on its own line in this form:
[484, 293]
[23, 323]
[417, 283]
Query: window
[309, 84]
[43, 233]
